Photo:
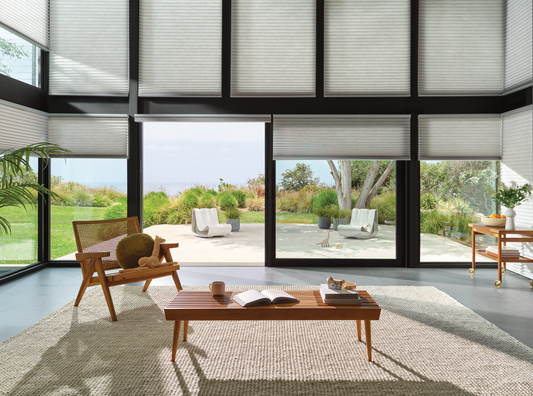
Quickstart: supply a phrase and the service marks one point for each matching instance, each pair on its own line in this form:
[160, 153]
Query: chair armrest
[91, 255]
[169, 245]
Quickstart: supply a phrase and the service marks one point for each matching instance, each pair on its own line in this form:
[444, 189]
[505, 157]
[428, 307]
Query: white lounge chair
[360, 217]
[205, 223]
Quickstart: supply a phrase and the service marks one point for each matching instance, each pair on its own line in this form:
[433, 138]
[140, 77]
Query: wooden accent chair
[97, 242]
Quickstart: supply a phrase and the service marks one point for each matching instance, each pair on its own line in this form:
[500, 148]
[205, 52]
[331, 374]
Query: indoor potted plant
[233, 217]
[511, 197]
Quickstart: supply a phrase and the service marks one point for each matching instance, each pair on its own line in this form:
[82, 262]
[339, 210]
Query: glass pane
[452, 193]
[19, 59]
[206, 166]
[19, 248]
[88, 189]
[310, 222]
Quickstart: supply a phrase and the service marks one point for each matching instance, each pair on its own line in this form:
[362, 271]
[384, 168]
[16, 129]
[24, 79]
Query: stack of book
[339, 297]
[507, 252]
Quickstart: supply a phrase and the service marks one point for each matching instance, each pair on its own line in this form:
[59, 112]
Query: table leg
[368, 340]
[177, 326]
[185, 329]
[499, 257]
[359, 330]
[473, 252]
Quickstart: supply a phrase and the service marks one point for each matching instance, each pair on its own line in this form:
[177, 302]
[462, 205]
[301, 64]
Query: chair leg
[107, 293]
[177, 281]
[87, 275]
[146, 284]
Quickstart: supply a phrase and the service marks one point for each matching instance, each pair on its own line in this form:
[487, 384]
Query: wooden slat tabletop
[202, 305]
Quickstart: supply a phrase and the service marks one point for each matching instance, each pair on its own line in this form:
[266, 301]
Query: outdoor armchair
[360, 217]
[205, 223]
[97, 243]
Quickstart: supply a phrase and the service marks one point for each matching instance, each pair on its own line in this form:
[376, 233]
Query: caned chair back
[103, 236]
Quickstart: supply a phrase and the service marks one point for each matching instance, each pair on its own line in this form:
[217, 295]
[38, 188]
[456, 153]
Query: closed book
[340, 301]
[335, 293]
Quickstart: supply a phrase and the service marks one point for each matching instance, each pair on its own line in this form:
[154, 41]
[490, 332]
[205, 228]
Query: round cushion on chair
[132, 248]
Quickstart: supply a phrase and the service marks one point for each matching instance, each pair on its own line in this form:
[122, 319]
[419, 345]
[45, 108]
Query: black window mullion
[319, 49]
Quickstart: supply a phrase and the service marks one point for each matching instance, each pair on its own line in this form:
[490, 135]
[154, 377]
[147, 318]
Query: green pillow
[132, 248]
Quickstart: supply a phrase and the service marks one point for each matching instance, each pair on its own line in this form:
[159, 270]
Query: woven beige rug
[425, 343]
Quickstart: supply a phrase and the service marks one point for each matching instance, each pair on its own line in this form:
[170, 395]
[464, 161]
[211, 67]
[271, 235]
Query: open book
[253, 297]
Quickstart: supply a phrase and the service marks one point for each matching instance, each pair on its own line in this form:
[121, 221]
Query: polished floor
[25, 301]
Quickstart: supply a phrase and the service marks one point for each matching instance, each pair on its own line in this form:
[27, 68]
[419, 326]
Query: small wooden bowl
[493, 222]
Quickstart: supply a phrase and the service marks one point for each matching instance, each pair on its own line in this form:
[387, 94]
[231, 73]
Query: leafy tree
[298, 178]
[11, 50]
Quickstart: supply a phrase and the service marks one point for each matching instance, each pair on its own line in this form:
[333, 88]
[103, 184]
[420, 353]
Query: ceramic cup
[217, 288]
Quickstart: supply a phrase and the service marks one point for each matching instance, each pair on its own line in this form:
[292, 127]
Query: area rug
[425, 343]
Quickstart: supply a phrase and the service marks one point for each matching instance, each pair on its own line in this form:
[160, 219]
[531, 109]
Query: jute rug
[425, 343]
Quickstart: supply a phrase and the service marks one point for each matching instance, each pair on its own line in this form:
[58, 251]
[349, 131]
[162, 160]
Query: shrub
[152, 204]
[101, 201]
[226, 200]
[212, 192]
[196, 191]
[314, 188]
[287, 202]
[118, 210]
[304, 202]
[207, 201]
[174, 212]
[428, 201]
[255, 204]
[240, 197]
[325, 198]
[233, 213]
[189, 199]
[82, 198]
[322, 211]
[385, 205]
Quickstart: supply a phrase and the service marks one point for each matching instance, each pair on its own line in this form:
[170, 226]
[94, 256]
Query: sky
[180, 155]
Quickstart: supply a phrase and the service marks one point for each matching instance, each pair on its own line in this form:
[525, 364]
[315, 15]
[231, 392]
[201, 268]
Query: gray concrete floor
[25, 301]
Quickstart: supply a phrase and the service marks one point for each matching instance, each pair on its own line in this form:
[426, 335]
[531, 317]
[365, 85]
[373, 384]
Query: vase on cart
[510, 214]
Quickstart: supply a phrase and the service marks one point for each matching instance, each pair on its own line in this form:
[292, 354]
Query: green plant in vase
[510, 197]
[324, 219]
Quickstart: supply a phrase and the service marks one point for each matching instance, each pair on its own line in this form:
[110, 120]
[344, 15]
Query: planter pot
[235, 224]
[339, 221]
[324, 222]
[509, 223]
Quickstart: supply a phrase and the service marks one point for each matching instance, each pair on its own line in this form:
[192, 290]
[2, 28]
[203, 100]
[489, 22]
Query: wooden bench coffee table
[202, 305]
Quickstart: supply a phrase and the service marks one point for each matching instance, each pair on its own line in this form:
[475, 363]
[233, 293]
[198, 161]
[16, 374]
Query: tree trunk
[380, 181]
[367, 185]
[343, 184]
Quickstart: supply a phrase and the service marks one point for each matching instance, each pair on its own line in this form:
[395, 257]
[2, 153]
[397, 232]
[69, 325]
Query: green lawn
[21, 246]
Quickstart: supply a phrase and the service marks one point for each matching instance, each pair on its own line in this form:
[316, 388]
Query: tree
[11, 50]
[15, 166]
[343, 183]
[298, 178]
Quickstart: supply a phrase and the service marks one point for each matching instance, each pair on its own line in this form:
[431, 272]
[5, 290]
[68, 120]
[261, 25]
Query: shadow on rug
[424, 343]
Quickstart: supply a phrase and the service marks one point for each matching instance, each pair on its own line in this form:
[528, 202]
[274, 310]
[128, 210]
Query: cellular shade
[28, 18]
[90, 135]
[89, 47]
[273, 48]
[180, 48]
[456, 137]
[517, 153]
[518, 44]
[367, 47]
[21, 126]
[461, 47]
[341, 137]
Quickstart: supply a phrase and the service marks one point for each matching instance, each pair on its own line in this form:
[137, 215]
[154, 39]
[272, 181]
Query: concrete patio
[246, 247]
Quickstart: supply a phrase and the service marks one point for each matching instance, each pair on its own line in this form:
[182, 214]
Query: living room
[426, 104]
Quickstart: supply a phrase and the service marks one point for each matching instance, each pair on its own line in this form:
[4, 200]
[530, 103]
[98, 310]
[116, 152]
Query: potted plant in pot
[511, 197]
[324, 220]
[233, 217]
[339, 216]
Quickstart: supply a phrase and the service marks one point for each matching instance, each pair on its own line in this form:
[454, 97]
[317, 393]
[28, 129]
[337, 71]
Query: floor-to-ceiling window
[191, 165]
